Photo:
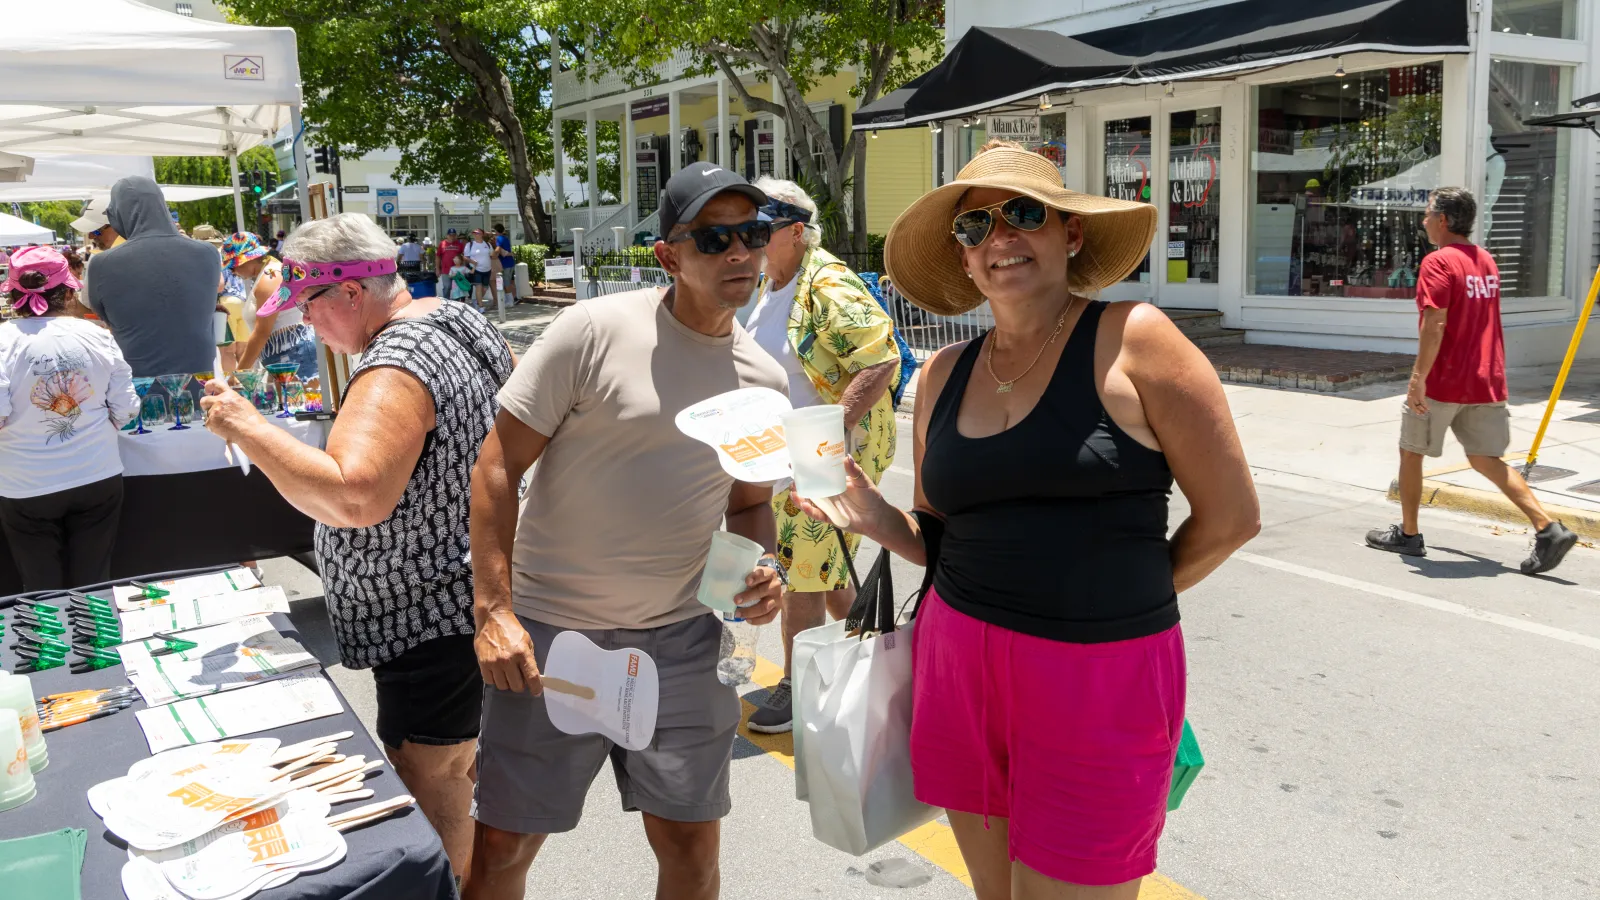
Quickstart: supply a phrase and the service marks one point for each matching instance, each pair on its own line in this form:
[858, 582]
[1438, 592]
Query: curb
[1494, 505]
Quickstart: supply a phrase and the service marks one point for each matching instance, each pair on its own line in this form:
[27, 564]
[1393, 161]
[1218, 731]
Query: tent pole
[302, 172]
[1566, 367]
[233, 178]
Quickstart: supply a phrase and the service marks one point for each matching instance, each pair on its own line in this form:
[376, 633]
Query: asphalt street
[1373, 726]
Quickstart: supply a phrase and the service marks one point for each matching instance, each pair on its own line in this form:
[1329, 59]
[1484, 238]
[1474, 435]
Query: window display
[1193, 205]
[1128, 170]
[1342, 170]
[1523, 204]
[1540, 18]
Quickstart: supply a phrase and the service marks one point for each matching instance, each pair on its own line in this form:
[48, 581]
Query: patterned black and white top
[408, 579]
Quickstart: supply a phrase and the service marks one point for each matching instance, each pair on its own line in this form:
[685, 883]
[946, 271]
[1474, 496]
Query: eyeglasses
[308, 301]
[716, 239]
[972, 227]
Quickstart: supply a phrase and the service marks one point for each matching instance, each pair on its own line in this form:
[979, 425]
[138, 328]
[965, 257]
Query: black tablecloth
[399, 858]
[215, 517]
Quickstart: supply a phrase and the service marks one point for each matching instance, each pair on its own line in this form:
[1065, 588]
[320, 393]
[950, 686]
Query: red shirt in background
[1471, 366]
[448, 251]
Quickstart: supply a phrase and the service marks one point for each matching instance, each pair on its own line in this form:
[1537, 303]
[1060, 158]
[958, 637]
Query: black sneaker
[1550, 546]
[1395, 540]
[776, 714]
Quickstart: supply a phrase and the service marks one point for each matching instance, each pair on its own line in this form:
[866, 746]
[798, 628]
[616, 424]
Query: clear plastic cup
[737, 660]
[815, 436]
[16, 778]
[731, 559]
[16, 695]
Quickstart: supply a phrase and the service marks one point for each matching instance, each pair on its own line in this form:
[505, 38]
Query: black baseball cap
[691, 188]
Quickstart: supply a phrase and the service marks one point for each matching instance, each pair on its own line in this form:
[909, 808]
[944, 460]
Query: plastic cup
[730, 560]
[16, 695]
[16, 778]
[815, 436]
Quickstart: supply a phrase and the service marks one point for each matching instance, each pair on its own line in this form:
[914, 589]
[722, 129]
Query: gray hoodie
[158, 290]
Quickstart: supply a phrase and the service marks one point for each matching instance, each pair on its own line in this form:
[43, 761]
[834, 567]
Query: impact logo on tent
[244, 68]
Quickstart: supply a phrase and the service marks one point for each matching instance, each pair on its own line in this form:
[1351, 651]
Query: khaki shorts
[532, 779]
[1484, 429]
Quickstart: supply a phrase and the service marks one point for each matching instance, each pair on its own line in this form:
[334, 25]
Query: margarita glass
[141, 386]
[281, 373]
[173, 384]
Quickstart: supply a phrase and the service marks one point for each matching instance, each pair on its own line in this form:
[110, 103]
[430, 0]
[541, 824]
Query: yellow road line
[934, 842]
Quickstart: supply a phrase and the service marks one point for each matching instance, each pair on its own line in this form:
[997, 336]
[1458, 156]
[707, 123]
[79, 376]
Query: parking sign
[388, 201]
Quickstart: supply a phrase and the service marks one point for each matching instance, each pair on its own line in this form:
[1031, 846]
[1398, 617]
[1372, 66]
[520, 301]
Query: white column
[561, 166]
[588, 136]
[674, 141]
[1456, 126]
[780, 137]
[302, 171]
[1233, 234]
[724, 145]
[629, 180]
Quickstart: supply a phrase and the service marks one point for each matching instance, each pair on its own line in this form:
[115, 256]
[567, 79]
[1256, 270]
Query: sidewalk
[1351, 438]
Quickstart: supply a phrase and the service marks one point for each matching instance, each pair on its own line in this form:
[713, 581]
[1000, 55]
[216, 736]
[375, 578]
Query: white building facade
[1291, 197]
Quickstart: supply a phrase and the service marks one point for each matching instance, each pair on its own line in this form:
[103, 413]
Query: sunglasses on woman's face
[972, 227]
[713, 240]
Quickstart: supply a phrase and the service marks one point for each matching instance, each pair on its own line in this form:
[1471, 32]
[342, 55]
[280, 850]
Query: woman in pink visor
[65, 389]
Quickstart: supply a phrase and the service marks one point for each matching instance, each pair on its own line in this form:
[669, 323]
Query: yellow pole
[1566, 367]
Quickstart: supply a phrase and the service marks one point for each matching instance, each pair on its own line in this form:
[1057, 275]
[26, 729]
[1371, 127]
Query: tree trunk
[494, 90]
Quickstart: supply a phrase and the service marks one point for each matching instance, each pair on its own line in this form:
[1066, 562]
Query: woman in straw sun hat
[1049, 665]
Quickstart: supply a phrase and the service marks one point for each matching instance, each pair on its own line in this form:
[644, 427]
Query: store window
[1523, 204]
[1342, 168]
[1540, 18]
[1194, 210]
[1128, 170]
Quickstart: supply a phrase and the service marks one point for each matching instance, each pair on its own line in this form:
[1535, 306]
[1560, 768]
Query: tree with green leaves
[213, 170]
[56, 215]
[460, 87]
[608, 159]
[793, 43]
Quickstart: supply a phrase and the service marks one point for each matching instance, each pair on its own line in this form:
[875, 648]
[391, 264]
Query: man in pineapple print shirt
[610, 542]
[1459, 382]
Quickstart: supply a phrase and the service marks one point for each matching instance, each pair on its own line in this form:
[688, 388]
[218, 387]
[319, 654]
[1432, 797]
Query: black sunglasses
[716, 239]
[972, 227]
[787, 213]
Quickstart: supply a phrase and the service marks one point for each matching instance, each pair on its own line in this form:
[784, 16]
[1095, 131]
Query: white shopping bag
[853, 738]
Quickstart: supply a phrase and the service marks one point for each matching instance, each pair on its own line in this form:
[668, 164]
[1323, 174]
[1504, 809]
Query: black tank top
[1057, 526]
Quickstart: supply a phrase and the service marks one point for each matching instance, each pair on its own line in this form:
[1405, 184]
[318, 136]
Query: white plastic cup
[16, 778]
[16, 694]
[731, 559]
[815, 436]
[219, 326]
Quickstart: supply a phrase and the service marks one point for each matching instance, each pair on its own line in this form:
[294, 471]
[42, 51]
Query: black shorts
[481, 277]
[430, 694]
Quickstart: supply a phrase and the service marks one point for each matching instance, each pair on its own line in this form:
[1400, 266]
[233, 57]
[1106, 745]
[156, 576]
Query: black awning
[991, 68]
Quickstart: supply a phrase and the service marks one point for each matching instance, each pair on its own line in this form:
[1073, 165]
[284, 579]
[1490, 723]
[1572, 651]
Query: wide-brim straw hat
[924, 260]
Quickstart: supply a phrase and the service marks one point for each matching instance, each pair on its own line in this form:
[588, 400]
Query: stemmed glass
[141, 387]
[201, 378]
[281, 373]
[173, 384]
[250, 383]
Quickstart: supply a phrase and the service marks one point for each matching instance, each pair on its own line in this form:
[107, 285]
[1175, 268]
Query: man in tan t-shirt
[610, 542]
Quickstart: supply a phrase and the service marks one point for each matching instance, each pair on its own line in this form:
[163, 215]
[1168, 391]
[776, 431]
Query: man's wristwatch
[771, 562]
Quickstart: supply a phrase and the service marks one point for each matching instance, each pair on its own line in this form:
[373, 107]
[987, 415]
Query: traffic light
[256, 182]
[269, 179]
[333, 160]
[322, 156]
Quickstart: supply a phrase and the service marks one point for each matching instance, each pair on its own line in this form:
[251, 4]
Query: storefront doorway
[1167, 154]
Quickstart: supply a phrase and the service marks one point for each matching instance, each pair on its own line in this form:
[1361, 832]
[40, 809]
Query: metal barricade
[616, 279]
[925, 332]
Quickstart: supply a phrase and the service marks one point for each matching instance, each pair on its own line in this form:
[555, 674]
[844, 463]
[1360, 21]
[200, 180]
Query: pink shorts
[1073, 743]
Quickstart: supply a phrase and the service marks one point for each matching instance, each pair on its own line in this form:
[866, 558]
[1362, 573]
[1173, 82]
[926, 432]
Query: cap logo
[711, 171]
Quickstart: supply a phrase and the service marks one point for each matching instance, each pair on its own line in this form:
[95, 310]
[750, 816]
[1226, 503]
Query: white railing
[569, 87]
[615, 279]
[578, 217]
[603, 237]
[926, 332]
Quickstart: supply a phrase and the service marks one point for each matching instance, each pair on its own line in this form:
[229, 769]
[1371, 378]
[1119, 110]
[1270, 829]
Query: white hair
[794, 195]
[346, 237]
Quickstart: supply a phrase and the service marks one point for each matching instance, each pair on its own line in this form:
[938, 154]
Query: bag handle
[873, 610]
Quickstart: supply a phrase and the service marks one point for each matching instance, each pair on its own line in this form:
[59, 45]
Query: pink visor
[300, 277]
[47, 262]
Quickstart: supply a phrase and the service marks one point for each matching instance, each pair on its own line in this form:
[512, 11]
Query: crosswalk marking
[934, 842]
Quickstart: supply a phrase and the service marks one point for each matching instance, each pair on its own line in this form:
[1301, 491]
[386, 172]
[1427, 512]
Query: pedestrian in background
[65, 389]
[278, 336]
[1049, 674]
[389, 496]
[508, 264]
[610, 542]
[837, 346]
[449, 250]
[1459, 382]
[411, 255]
[481, 253]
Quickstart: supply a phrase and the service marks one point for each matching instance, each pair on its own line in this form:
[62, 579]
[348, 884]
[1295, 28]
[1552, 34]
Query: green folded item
[1186, 768]
[45, 866]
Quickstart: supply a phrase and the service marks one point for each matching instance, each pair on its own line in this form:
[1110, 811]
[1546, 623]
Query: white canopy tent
[124, 78]
[15, 232]
[62, 176]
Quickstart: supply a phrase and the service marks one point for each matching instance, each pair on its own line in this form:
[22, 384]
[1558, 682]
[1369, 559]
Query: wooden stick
[345, 782]
[295, 751]
[562, 686]
[347, 796]
[370, 813]
[308, 761]
[353, 764]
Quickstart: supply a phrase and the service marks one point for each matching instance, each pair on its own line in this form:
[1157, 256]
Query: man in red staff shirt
[449, 249]
[1459, 382]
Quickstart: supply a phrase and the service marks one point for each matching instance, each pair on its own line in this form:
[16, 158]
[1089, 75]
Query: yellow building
[708, 119]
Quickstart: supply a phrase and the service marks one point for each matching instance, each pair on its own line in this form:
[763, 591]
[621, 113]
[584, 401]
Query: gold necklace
[1005, 386]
